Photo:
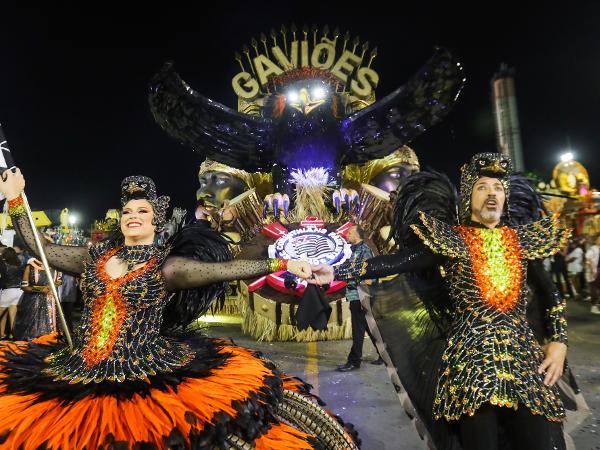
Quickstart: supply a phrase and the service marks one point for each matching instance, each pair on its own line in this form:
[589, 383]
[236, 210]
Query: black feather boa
[430, 192]
[198, 242]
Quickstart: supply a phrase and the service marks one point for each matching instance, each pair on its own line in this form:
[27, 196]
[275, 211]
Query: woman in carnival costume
[137, 377]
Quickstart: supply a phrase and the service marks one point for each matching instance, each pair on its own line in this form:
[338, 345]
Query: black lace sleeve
[553, 303]
[62, 257]
[185, 273]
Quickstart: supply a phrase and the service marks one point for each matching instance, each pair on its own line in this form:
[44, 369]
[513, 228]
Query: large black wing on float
[208, 127]
[379, 129]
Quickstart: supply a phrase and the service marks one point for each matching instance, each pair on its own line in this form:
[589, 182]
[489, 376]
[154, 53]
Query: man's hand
[301, 269]
[322, 274]
[554, 362]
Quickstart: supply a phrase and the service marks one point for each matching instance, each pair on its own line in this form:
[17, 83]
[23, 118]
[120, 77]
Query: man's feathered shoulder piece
[427, 193]
[440, 237]
[542, 238]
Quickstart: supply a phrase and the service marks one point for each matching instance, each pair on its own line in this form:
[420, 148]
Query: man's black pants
[525, 431]
[359, 326]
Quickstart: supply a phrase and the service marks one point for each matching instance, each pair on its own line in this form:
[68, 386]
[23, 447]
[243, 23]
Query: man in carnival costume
[494, 386]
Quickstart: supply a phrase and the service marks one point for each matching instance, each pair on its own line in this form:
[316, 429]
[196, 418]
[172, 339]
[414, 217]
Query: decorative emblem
[312, 244]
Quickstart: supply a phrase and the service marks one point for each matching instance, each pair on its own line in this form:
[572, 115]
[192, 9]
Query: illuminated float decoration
[306, 111]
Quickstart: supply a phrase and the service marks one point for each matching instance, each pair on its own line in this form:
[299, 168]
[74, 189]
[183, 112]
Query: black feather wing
[430, 192]
[198, 242]
[381, 128]
[524, 203]
[208, 127]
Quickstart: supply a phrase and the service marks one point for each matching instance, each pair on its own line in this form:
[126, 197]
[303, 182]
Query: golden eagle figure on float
[301, 106]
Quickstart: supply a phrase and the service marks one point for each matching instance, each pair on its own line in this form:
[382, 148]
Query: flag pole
[9, 164]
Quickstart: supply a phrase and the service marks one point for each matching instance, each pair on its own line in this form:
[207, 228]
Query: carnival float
[308, 152]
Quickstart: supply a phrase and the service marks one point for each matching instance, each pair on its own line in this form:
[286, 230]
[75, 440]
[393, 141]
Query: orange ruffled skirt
[29, 422]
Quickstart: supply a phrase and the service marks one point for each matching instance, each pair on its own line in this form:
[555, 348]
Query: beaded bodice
[492, 355]
[119, 336]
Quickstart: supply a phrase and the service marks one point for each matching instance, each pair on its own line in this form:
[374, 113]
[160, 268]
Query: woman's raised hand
[12, 184]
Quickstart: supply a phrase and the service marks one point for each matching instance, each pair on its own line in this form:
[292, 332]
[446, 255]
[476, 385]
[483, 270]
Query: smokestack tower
[508, 133]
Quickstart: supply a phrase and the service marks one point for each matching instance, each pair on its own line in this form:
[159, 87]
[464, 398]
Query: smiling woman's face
[136, 220]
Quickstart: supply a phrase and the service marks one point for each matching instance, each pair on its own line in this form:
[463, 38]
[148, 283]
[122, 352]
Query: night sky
[73, 85]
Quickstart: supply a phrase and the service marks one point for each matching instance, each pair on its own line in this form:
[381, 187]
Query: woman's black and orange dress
[126, 386]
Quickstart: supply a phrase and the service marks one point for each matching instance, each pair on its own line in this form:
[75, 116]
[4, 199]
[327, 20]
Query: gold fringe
[310, 201]
[231, 306]
[257, 326]
[230, 309]
[263, 329]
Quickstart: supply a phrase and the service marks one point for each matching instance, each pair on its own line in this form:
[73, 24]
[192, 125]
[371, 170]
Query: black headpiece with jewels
[141, 187]
[493, 165]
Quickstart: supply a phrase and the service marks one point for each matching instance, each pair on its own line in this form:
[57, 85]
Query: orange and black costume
[132, 383]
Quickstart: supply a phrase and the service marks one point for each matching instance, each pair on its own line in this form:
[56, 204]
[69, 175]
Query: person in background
[36, 315]
[582, 242]
[11, 275]
[68, 296]
[561, 275]
[575, 266]
[360, 253]
[592, 274]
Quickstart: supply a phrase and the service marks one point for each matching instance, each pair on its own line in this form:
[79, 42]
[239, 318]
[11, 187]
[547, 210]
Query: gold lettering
[304, 53]
[318, 51]
[366, 81]
[345, 65]
[245, 86]
[265, 68]
[287, 64]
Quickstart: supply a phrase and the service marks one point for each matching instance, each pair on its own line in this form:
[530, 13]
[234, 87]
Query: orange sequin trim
[108, 311]
[496, 260]
[16, 206]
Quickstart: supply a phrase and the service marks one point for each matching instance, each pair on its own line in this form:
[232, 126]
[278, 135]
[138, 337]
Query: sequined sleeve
[408, 260]
[62, 257]
[185, 273]
[542, 238]
[440, 237]
[554, 305]
[350, 270]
